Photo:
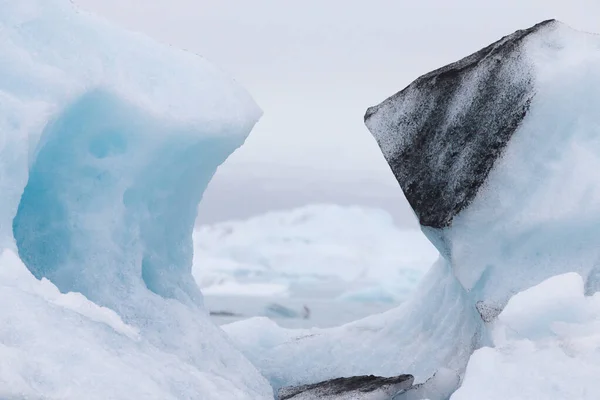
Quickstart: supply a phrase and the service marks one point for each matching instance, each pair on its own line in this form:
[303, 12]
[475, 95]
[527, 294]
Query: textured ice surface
[531, 214]
[62, 346]
[547, 346]
[107, 142]
[442, 134]
[539, 211]
[440, 386]
[367, 387]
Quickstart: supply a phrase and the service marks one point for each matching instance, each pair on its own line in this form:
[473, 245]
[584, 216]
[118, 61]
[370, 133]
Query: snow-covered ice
[546, 346]
[107, 142]
[62, 346]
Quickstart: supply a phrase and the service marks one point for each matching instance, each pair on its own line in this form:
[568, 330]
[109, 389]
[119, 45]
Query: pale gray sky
[314, 66]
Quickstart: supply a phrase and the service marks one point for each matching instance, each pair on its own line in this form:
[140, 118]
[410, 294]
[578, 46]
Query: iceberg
[496, 154]
[107, 142]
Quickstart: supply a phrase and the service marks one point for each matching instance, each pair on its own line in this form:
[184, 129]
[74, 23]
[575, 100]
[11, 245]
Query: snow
[502, 184]
[62, 346]
[317, 251]
[546, 345]
[107, 142]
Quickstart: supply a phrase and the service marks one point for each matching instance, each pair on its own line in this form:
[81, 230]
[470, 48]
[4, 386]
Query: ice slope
[436, 326]
[62, 346]
[317, 251]
[107, 142]
[497, 155]
[546, 346]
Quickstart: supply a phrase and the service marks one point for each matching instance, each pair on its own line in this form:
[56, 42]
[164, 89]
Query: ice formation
[107, 142]
[497, 155]
[437, 326]
[546, 345]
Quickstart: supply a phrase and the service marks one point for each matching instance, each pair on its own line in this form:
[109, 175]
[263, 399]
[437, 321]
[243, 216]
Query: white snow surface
[327, 251]
[546, 346]
[62, 346]
[107, 142]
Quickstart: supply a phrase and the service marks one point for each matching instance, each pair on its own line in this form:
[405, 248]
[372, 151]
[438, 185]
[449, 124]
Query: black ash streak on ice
[441, 144]
[441, 137]
[356, 387]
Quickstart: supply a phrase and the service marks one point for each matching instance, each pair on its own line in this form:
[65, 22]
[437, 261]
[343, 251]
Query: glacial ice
[103, 132]
[436, 326]
[107, 142]
[546, 344]
[523, 207]
[497, 155]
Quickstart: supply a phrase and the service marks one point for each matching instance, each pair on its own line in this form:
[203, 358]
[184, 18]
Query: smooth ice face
[115, 191]
[525, 205]
[107, 142]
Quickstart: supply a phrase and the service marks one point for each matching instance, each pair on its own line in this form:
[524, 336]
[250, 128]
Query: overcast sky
[314, 66]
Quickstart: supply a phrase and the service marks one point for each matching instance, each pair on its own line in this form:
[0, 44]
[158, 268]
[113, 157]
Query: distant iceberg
[321, 250]
[107, 142]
